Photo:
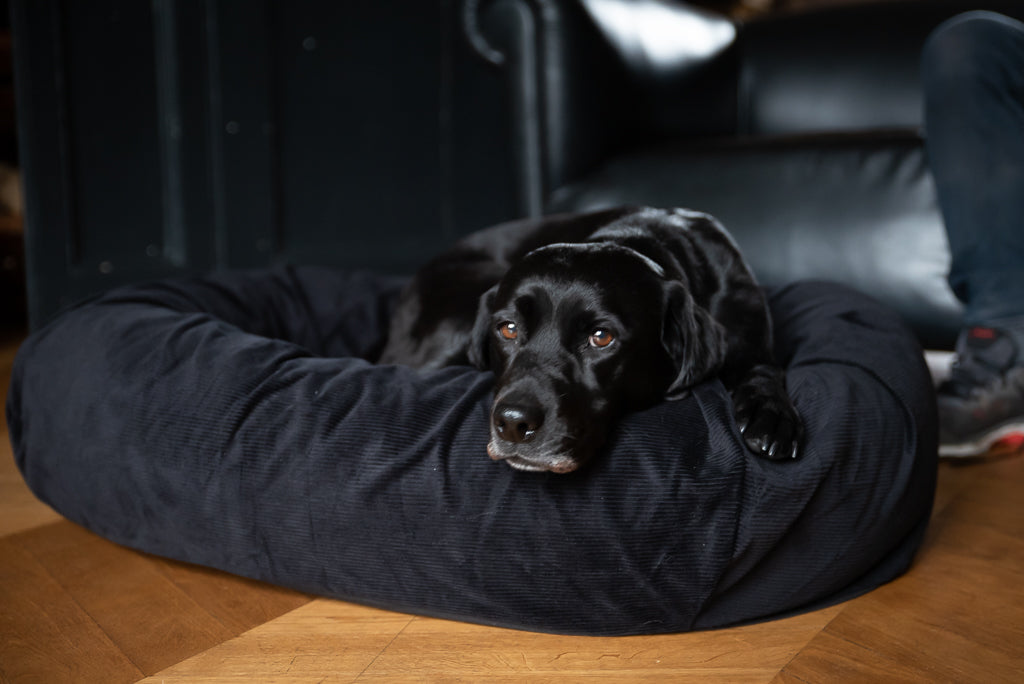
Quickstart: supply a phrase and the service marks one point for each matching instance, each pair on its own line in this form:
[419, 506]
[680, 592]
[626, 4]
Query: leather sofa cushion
[857, 209]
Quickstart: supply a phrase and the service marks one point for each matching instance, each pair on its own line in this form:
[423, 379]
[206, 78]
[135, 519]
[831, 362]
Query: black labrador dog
[584, 317]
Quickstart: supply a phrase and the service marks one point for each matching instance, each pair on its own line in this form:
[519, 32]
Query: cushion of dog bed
[230, 421]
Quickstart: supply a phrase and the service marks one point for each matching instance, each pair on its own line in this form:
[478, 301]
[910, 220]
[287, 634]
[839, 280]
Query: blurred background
[171, 137]
[13, 311]
[13, 305]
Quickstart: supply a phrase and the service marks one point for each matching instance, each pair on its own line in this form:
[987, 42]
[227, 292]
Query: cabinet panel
[178, 136]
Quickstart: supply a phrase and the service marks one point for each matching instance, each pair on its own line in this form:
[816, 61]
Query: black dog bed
[232, 422]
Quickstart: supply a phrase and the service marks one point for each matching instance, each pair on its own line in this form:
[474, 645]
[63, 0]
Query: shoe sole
[983, 443]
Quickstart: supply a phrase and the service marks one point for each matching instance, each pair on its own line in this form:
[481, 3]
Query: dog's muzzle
[517, 438]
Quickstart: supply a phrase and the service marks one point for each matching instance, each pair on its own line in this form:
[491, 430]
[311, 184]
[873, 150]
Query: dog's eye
[601, 338]
[508, 330]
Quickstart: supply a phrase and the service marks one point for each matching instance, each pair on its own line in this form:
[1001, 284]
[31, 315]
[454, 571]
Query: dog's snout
[516, 422]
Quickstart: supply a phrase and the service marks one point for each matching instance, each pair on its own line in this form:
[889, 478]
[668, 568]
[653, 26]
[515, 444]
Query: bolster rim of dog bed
[232, 421]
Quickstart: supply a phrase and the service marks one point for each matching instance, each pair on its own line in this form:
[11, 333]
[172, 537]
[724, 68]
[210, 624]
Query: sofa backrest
[848, 69]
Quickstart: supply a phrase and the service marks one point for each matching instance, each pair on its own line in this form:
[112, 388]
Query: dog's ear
[694, 340]
[480, 338]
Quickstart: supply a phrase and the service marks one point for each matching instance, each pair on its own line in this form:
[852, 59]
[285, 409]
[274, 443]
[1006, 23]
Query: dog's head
[578, 334]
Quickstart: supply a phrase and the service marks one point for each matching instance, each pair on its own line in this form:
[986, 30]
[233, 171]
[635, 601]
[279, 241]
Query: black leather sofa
[801, 131]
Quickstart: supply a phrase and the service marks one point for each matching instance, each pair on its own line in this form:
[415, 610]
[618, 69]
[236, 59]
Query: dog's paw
[769, 423]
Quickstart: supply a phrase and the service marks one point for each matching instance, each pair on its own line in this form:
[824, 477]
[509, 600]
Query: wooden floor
[76, 608]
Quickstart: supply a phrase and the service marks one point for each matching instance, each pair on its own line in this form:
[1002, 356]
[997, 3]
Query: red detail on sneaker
[1011, 443]
[983, 333]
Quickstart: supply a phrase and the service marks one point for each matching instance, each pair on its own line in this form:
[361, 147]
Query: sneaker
[982, 403]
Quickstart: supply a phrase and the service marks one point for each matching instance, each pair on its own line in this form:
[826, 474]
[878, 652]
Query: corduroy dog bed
[232, 421]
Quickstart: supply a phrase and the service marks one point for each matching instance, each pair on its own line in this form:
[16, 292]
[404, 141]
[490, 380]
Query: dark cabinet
[172, 136]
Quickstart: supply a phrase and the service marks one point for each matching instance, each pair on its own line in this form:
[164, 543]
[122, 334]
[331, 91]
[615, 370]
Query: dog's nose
[517, 423]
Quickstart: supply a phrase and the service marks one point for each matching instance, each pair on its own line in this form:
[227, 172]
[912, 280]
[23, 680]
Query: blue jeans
[973, 76]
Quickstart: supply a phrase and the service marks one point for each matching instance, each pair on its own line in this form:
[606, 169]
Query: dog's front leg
[765, 415]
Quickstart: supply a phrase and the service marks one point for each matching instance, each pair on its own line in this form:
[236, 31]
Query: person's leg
[973, 78]
[973, 71]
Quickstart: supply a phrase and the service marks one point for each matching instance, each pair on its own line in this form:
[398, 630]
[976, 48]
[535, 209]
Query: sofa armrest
[586, 78]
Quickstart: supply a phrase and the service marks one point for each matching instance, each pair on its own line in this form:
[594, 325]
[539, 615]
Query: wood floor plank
[342, 641]
[321, 641]
[45, 636]
[957, 616]
[154, 611]
[238, 603]
[21, 509]
[876, 644]
[992, 499]
[954, 478]
[454, 650]
[690, 676]
[146, 615]
[982, 574]
[830, 658]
